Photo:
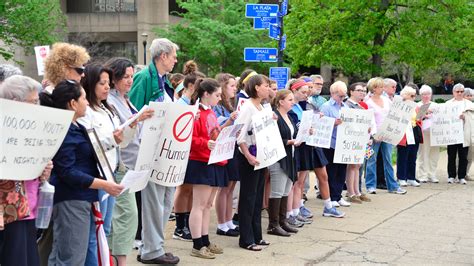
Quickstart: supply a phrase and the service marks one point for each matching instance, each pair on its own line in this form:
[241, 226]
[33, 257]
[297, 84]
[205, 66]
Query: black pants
[250, 203]
[19, 244]
[453, 151]
[138, 198]
[381, 184]
[336, 175]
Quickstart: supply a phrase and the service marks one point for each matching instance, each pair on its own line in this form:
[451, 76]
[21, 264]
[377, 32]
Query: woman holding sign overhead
[251, 181]
[204, 178]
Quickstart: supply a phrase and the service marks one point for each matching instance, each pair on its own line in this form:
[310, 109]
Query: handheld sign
[225, 144]
[280, 75]
[447, 128]
[260, 54]
[41, 52]
[274, 31]
[393, 127]
[263, 23]
[261, 10]
[305, 126]
[322, 127]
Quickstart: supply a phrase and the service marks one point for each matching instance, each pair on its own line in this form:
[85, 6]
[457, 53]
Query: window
[100, 6]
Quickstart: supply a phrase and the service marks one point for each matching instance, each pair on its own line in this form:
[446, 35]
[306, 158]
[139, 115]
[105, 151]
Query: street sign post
[274, 31]
[261, 10]
[264, 22]
[256, 54]
[280, 75]
[283, 42]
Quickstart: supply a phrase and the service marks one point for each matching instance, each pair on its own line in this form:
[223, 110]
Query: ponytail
[204, 85]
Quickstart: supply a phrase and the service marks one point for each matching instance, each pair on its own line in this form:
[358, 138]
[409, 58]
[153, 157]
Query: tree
[215, 33]
[27, 23]
[376, 37]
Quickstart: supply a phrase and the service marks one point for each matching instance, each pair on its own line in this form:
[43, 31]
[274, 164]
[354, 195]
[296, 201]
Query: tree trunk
[379, 42]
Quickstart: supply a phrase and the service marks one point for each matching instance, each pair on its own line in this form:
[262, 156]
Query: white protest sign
[172, 151]
[270, 148]
[322, 127]
[352, 136]
[135, 181]
[398, 118]
[447, 128]
[225, 144]
[409, 135]
[41, 52]
[133, 118]
[305, 126]
[30, 136]
[240, 103]
[150, 137]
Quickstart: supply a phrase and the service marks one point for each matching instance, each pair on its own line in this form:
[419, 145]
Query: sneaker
[213, 248]
[335, 204]
[182, 234]
[403, 183]
[230, 232]
[399, 191]
[344, 203]
[456, 180]
[434, 180]
[235, 219]
[294, 222]
[303, 220]
[137, 244]
[354, 199]
[463, 181]
[413, 183]
[305, 212]
[364, 197]
[450, 180]
[423, 180]
[172, 217]
[371, 190]
[333, 212]
[203, 253]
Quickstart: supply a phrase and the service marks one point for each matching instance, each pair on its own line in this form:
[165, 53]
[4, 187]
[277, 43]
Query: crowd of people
[103, 96]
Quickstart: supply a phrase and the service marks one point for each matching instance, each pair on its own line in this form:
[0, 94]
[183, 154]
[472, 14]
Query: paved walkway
[432, 224]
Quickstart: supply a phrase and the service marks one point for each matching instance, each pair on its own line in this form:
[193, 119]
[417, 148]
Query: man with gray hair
[7, 70]
[151, 84]
[389, 88]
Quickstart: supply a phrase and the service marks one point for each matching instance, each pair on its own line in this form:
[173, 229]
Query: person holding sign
[18, 213]
[282, 173]
[252, 181]
[408, 146]
[77, 180]
[226, 116]
[204, 178]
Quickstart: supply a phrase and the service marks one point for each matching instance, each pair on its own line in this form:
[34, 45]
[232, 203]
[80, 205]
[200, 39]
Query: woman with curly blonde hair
[65, 61]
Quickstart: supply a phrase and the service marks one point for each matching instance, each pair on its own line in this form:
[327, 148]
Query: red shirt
[205, 128]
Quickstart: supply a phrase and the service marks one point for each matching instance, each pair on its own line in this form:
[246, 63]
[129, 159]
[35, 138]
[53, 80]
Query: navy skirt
[319, 158]
[304, 157]
[200, 173]
[232, 168]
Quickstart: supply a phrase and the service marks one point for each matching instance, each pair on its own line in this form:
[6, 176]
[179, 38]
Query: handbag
[13, 201]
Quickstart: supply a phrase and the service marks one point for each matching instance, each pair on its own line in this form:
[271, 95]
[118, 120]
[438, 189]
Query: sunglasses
[79, 70]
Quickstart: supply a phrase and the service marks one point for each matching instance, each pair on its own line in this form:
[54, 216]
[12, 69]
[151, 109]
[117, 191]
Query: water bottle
[45, 205]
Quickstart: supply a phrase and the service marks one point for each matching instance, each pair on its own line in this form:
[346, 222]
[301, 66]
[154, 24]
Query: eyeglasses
[459, 91]
[341, 96]
[364, 91]
[79, 70]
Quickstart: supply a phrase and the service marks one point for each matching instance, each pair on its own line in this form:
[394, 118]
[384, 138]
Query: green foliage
[214, 34]
[439, 100]
[420, 36]
[27, 23]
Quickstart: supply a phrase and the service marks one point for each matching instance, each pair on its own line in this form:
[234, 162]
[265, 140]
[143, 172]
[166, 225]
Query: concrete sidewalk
[431, 224]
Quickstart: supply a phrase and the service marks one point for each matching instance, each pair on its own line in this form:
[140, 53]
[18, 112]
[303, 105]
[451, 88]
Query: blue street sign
[252, 54]
[283, 42]
[284, 8]
[274, 31]
[280, 75]
[264, 22]
[261, 10]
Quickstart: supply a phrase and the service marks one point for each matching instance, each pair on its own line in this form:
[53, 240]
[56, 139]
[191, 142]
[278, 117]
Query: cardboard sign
[225, 144]
[30, 136]
[394, 126]
[447, 128]
[322, 127]
[352, 136]
[270, 148]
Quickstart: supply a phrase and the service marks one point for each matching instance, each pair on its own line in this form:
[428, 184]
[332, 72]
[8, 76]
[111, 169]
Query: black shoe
[172, 217]
[230, 232]
[182, 234]
[235, 219]
[163, 259]
[319, 196]
[305, 198]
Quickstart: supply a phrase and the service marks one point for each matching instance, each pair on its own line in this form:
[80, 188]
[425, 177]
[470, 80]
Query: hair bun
[190, 67]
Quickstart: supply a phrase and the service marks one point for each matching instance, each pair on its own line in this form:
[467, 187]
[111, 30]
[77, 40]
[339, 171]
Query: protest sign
[305, 126]
[41, 52]
[30, 135]
[172, 151]
[322, 127]
[225, 144]
[240, 103]
[352, 136]
[267, 135]
[398, 118]
[447, 128]
[134, 181]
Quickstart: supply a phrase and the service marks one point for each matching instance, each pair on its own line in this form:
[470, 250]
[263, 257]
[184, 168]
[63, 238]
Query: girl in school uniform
[204, 178]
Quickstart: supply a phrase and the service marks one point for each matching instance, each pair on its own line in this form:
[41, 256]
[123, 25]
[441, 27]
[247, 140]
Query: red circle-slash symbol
[182, 127]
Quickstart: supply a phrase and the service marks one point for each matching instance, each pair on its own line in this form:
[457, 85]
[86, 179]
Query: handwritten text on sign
[305, 126]
[352, 136]
[322, 127]
[447, 127]
[398, 118]
[225, 144]
[270, 148]
[30, 136]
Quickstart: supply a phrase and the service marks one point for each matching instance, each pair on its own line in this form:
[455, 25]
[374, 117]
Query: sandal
[252, 247]
[263, 243]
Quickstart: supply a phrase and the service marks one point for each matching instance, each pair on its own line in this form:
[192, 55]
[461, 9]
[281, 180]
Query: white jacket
[469, 128]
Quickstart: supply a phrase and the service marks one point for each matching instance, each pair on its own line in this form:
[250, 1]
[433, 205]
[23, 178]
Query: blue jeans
[91, 258]
[371, 176]
[406, 162]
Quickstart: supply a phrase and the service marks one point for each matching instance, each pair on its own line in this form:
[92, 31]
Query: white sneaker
[335, 204]
[463, 181]
[413, 183]
[423, 180]
[450, 180]
[434, 180]
[402, 183]
[344, 203]
[456, 180]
